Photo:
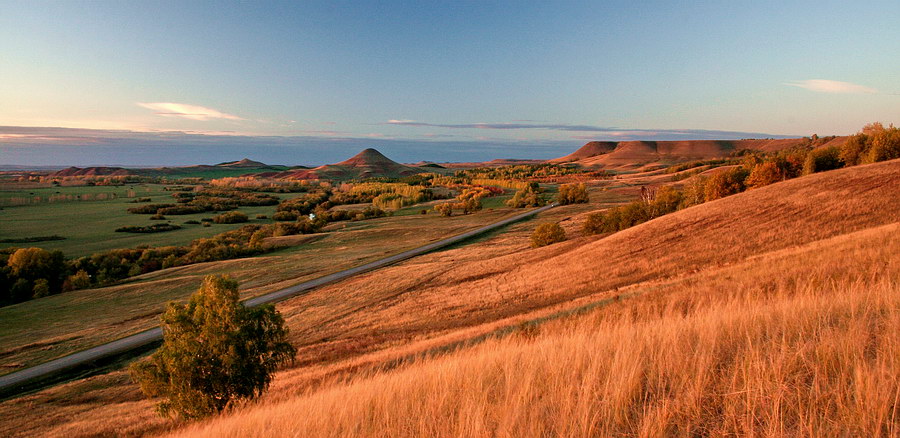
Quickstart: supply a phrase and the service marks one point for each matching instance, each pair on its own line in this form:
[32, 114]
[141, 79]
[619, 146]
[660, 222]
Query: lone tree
[215, 351]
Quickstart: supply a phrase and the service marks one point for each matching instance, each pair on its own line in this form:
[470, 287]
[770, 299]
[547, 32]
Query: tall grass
[806, 359]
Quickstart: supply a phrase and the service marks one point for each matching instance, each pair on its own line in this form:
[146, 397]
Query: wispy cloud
[185, 111]
[835, 87]
[598, 131]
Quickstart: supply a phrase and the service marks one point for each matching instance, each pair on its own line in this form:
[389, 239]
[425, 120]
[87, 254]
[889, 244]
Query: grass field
[739, 301]
[89, 226]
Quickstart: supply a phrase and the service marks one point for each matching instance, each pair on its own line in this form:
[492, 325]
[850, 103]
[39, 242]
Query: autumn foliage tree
[546, 234]
[572, 194]
[215, 352]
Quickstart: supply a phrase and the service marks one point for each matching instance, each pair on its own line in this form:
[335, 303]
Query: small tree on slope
[215, 351]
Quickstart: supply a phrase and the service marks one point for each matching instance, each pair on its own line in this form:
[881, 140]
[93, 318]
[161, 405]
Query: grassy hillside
[790, 332]
[702, 280]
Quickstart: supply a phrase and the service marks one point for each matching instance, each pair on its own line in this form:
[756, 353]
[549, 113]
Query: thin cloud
[185, 111]
[668, 134]
[834, 87]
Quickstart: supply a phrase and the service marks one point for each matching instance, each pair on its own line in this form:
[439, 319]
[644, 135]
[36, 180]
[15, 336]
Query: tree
[764, 174]
[572, 194]
[822, 159]
[725, 184]
[546, 234]
[215, 352]
[527, 197]
[445, 208]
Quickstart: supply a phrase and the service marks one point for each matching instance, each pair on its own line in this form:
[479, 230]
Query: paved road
[10, 382]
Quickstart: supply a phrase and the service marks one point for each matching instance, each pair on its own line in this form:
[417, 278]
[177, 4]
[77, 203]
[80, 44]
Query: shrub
[445, 209]
[261, 216]
[192, 222]
[572, 194]
[232, 217]
[215, 351]
[764, 174]
[149, 208]
[285, 216]
[594, 224]
[157, 217]
[155, 228]
[547, 233]
[820, 160]
[725, 184]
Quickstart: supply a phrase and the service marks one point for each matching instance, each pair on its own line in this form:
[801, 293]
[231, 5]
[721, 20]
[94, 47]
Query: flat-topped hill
[624, 153]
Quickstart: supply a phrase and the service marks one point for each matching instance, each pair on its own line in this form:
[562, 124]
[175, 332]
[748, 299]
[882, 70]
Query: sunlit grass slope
[772, 313]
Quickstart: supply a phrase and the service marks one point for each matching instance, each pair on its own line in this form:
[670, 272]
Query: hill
[92, 171]
[635, 153]
[245, 163]
[730, 302]
[367, 164]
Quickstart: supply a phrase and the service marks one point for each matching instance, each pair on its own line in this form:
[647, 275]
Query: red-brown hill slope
[367, 164]
[644, 152]
[92, 171]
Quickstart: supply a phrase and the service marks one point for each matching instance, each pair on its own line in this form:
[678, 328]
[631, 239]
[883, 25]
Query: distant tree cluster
[231, 217]
[468, 201]
[155, 228]
[572, 194]
[191, 201]
[530, 196]
[27, 273]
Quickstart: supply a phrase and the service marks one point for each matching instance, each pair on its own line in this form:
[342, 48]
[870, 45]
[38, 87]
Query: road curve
[10, 382]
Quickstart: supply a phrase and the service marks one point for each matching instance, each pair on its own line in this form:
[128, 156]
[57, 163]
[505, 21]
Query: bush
[594, 224]
[725, 184]
[547, 233]
[572, 194]
[149, 208]
[155, 228]
[820, 160]
[192, 222]
[285, 216]
[215, 351]
[764, 174]
[445, 209]
[261, 216]
[232, 217]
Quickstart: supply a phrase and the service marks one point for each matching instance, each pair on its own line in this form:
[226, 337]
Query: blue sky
[167, 83]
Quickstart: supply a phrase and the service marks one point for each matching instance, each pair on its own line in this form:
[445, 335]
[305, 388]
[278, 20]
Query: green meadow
[88, 226]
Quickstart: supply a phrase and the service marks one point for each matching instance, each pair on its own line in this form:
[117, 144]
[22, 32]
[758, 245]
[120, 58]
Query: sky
[176, 83]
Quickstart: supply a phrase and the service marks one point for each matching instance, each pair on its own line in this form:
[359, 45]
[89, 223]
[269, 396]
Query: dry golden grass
[816, 355]
[751, 254]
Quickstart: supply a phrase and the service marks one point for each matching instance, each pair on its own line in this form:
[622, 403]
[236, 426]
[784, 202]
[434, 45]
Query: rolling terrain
[693, 282]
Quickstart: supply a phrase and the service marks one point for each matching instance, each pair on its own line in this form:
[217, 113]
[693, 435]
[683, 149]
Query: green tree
[215, 352]
[546, 234]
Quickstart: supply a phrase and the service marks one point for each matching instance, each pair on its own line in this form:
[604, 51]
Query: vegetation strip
[15, 382]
